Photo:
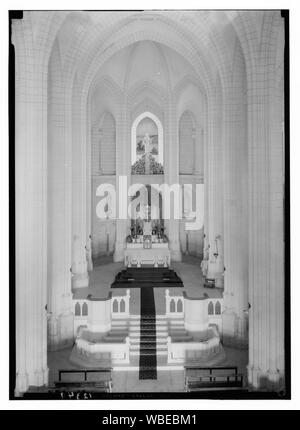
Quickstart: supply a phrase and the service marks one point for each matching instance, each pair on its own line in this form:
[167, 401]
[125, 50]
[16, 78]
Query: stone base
[90, 266]
[80, 280]
[271, 381]
[39, 378]
[235, 330]
[60, 331]
[22, 384]
[219, 281]
[176, 254]
[118, 254]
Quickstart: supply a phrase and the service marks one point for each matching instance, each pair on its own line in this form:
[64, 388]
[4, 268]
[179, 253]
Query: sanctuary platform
[147, 320]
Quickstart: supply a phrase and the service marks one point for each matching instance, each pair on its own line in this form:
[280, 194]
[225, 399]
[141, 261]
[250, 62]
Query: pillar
[204, 263]
[31, 206]
[198, 137]
[123, 168]
[171, 174]
[215, 187]
[60, 306]
[266, 198]
[235, 187]
[80, 278]
[89, 168]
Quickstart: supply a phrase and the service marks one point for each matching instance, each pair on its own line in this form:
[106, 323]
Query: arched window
[115, 306]
[210, 308]
[77, 309]
[122, 305]
[147, 138]
[172, 305]
[84, 309]
[179, 306]
[218, 308]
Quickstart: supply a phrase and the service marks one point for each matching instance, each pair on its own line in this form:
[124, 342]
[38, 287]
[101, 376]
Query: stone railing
[87, 311]
[118, 352]
[180, 351]
[174, 306]
[80, 309]
[198, 313]
[120, 306]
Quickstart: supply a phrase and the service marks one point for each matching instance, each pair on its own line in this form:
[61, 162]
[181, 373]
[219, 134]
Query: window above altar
[147, 145]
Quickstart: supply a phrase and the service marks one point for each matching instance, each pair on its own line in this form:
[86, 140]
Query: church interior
[149, 101]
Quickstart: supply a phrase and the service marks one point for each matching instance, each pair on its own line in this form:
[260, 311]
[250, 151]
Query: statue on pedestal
[147, 144]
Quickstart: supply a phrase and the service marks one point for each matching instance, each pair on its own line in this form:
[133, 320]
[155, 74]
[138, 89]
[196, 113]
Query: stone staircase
[164, 328]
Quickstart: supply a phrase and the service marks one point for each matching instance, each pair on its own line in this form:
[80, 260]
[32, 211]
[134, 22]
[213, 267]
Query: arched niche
[134, 130]
[84, 309]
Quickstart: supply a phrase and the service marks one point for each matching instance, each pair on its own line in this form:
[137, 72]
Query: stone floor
[167, 380]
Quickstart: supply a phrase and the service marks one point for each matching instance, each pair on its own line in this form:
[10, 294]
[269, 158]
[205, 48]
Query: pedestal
[235, 329]
[60, 331]
[175, 251]
[119, 252]
[80, 277]
[21, 384]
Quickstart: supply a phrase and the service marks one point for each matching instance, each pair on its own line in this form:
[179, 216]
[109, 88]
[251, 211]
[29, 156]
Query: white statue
[147, 142]
[147, 228]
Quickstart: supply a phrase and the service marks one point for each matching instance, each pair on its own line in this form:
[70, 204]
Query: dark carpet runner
[144, 277]
[148, 360]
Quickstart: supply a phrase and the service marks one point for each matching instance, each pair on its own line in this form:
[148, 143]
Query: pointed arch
[84, 309]
[210, 309]
[218, 308]
[160, 135]
[77, 310]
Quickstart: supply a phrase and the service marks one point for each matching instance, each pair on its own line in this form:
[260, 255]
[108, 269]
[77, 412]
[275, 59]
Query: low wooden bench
[92, 380]
[199, 378]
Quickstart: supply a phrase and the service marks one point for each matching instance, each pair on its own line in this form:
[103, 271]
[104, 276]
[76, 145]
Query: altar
[151, 247]
[147, 244]
[158, 254]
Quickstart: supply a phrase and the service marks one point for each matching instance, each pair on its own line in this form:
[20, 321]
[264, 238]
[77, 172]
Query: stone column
[88, 246]
[100, 137]
[31, 205]
[235, 316]
[171, 174]
[198, 137]
[80, 277]
[215, 187]
[123, 169]
[60, 309]
[266, 241]
[204, 263]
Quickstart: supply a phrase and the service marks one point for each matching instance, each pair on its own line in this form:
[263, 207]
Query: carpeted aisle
[143, 277]
[148, 361]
